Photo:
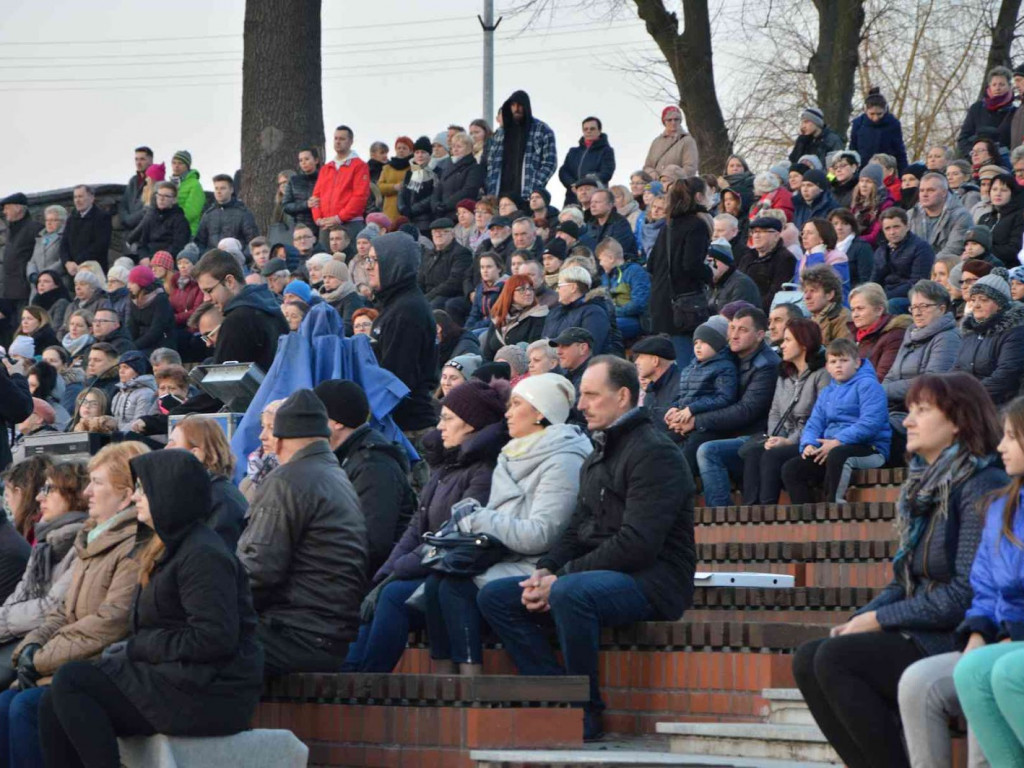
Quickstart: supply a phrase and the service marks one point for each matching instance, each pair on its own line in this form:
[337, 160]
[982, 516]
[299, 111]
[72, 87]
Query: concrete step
[509, 758]
[786, 706]
[793, 743]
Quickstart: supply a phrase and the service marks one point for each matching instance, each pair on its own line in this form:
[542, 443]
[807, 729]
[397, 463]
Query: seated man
[777, 319]
[655, 360]
[101, 370]
[574, 347]
[227, 217]
[378, 469]
[305, 547]
[628, 554]
[902, 260]
[107, 328]
[730, 284]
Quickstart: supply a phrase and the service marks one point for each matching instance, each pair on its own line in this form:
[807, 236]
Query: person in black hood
[299, 192]
[911, 182]
[1006, 219]
[191, 665]
[522, 155]
[377, 468]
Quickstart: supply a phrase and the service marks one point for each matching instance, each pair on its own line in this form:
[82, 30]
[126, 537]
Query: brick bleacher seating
[711, 666]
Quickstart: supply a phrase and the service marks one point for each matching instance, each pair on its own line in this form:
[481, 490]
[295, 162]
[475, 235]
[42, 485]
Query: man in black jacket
[655, 359]
[628, 554]
[305, 547]
[131, 210]
[107, 328]
[86, 232]
[442, 271]
[15, 406]
[163, 226]
[730, 284]
[769, 263]
[227, 217]
[608, 222]
[21, 242]
[377, 468]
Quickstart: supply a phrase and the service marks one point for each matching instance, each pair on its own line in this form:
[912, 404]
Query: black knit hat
[476, 403]
[818, 178]
[423, 144]
[302, 415]
[345, 401]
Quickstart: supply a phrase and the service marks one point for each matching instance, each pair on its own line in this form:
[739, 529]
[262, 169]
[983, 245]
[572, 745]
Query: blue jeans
[628, 326]
[19, 728]
[684, 349]
[454, 622]
[581, 603]
[381, 643]
[718, 461]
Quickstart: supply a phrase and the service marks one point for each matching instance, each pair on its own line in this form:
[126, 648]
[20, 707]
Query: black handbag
[690, 308]
[452, 552]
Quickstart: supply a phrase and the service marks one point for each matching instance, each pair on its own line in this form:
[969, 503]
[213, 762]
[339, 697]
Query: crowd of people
[564, 376]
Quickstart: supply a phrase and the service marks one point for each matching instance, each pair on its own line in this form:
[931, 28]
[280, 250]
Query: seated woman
[191, 665]
[136, 391]
[95, 612]
[457, 371]
[205, 439]
[850, 679]
[263, 460]
[71, 378]
[487, 291]
[78, 340]
[818, 238]
[859, 256]
[802, 377]
[574, 310]
[515, 317]
[452, 339]
[90, 413]
[877, 333]
[461, 454]
[48, 573]
[22, 483]
[533, 495]
[993, 347]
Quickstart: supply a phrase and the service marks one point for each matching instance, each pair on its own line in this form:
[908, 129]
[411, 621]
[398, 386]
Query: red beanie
[142, 276]
[670, 108]
[162, 259]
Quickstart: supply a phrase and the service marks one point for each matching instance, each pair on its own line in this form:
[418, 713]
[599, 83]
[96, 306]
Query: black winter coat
[459, 181]
[15, 407]
[861, 259]
[634, 515]
[456, 474]
[14, 550]
[770, 272]
[758, 374]
[598, 159]
[993, 352]
[1007, 223]
[617, 227]
[232, 219]
[441, 272]
[418, 205]
[979, 118]
[305, 546]
[299, 190]
[119, 339]
[346, 306]
[683, 242]
[378, 470]
[252, 325]
[192, 666]
[897, 270]
[227, 510]
[821, 145]
[131, 210]
[734, 286]
[164, 229]
[86, 238]
[21, 243]
[152, 326]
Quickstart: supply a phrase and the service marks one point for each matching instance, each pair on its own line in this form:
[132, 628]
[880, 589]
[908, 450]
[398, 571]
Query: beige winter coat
[678, 150]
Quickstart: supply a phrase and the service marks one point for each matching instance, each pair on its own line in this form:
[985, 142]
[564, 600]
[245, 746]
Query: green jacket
[192, 199]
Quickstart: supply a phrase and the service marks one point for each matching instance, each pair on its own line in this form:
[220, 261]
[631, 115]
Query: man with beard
[522, 156]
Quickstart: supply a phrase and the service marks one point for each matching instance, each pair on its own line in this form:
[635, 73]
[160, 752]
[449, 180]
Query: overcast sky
[83, 83]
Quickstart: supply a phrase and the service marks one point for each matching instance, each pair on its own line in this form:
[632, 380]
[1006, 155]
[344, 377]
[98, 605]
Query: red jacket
[343, 191]
[184, 301]
[781, 199]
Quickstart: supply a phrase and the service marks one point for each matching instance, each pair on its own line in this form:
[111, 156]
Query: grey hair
[573, 212]
[947, 151]
[542, 344]
[164, 355]
[765, 182]
[728, 219]
[525, 220]
[939, 177]
[60, 210]
[1000, 71]
[378, 145]
[1017, 154]
[318, 259]
[515, 356]
[872, 292]
[929, 289]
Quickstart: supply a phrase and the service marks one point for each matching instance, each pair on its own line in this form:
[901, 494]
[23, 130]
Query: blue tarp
[317, 352]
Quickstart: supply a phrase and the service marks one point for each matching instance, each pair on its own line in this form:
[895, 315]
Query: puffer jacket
[853, 412]
[580, 314]
[804, 389]
[231, 219]
[456, 473]
[305, 546]
[533, 495]
[897, 269]
[597, 159]
[46, 579]
[932, 349]
[192, 200]
[997, 580]
[299, 190]
[709, 385]
[749, 414]
[881, 345]
[869, 138]
[134, 399]
[634, 515]
[949, 233]
[822, 145]
[629, 286]
[1007, 224]
[940, 567]
[95, 611]
[993, 352]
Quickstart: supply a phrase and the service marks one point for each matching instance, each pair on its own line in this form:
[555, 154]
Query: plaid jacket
[539, 163]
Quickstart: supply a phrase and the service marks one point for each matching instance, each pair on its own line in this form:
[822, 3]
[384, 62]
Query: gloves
[369, 605]
[27, 674]
[116, 650]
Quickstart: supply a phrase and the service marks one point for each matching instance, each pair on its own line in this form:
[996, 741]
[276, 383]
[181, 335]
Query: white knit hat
[549, 393]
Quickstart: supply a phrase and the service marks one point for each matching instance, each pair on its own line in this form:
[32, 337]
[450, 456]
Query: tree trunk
[1003, 34]
[834, 62]
[688, 55]
[282, 97]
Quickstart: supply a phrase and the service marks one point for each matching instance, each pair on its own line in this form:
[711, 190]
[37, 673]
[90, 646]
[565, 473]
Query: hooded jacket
[854, 412]
[533, 495]
[161, 229]
[768, 272]
[151, 325]
[378, 470]
[95, 611]
[252, 325]
[897, 269]
[192, 665]
[749, 414]
[1007, 224]
[598, 159]
[949, 232]
[634, 515]
[868, 138]
[192, 200]
[305, 546]
[819, 208]
[228, 510]
[134, 399]
[86, 238]
[463, 179]
[540, 155]
[993, 352]
[455, 474]
[405, 332]
[882, 344]
[230, 219]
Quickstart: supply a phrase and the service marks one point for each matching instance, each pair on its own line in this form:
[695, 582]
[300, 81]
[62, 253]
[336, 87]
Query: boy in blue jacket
[710, 382]
[848, 429]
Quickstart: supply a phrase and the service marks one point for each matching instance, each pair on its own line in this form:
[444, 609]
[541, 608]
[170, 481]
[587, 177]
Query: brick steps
[823, 563]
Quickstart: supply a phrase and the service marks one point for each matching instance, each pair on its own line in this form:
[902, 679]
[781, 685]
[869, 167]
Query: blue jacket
[709, 385]
[854, 412]
[897, 270]
[997, 578]
[748, 415]
[616, 227]
[580, 314]
[630, 288]
[597, 159]
[885, 136]
[821, 207]
[483, 302]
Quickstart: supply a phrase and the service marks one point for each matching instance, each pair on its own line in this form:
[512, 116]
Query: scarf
[925, 495]
[520, 446]
[76, 346]
[259, 465]
[338, 293]
[862, 333]
[145, 298]
[48, 299]
[399, 163]
[46, 554]
[995, 103]
[419, 177]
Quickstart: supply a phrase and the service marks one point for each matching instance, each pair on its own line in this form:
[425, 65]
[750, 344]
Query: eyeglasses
[138, 487]
[915, 308]
[209, 335]
[369, 261]
[211, 289]
[47, 489]
[101, 321]
[524, 289]
[967, 282]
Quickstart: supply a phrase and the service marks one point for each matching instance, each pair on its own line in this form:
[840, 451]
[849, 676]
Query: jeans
[581, 603]
[927, 702]
[19, 728]
[990, 684]
[717, 460]
[683, 343]
[382, 642]
[850, 685]
[798, 474]
[454, 622]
